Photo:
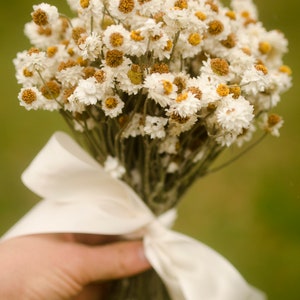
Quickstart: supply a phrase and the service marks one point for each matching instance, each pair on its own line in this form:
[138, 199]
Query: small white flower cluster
[180, 74]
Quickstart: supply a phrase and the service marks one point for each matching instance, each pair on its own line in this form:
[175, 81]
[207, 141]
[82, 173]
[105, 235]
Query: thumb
[112, 261]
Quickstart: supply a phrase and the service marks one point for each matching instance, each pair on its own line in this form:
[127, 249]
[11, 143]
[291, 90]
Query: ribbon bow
[80, 197]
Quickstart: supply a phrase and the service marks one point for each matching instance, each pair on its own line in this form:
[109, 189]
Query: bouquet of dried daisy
[155, 91]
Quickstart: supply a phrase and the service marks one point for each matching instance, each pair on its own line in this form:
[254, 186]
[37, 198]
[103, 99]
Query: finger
[113, 261]
[93, 239]
[94, 292]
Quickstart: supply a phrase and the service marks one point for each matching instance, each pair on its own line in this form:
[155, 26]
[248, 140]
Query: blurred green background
[249, 211]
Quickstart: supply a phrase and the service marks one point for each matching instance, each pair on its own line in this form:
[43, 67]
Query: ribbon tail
[78, 195]
[193, 271]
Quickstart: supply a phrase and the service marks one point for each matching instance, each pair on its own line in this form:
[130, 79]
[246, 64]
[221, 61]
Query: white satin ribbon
[80, 197]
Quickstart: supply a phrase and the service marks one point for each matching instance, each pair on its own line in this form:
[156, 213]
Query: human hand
[65, 266]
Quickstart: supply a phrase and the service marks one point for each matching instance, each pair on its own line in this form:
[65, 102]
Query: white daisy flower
[122, 9]
[150, 7]
[245, 136]
[161, 88]
[116, 61]
[155, 127]
[113, 167]
[176, 17]
[138, 43]
[191, 42]
[178, 125]
[271, 123]
[87, 92]
[172, 167]
[70, 76]
[185, 104]
[131, 80]
[217, 69]
[226, 139]
[245, 8]
[91, 47]
[255, 79]
[105, 80]
[112, 106]
[116, 37]
[234, 115]
[44, 14]
[36, 61]
[31, 98]
[135, 126]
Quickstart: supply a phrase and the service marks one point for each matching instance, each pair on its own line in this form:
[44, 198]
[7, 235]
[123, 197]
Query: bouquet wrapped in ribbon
[154, 91]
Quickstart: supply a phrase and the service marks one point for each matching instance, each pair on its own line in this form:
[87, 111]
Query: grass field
[249, 211]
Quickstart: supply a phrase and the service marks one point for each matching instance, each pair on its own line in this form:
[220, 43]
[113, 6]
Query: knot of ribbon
[80, 197]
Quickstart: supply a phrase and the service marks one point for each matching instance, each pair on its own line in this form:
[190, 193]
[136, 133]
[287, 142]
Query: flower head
[156, 85]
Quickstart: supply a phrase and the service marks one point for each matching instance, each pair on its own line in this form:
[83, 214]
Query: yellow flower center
[246, 51]
[200, 15]
[223, 90]
[51, 51]
[40, 17]
[262, 68]
[214, 7]
[126, 6]
[231, 15]
[195, 91]
[47, 31]
[180, 83]
[219, 66]
[71, 51]
[100, 76]
[285, 69]
[51, 90]
[33, 50]
[194, 39]
[245, 14]
[28, 96]
[143, 1]
[116, 39]
[235, 90]
[81, 61]
[84, 3]
[168, 87]
[181, 120]
[27, 73]
[68, 92]
[76, 34]
[68, 64]
[215, 27]
[264, 47]
[89, 72]
[273, 120]
[169, 46]
[136, 36]
[159, 17]
[181, 4]
[181, 97]
[114, 58]
[111, 102]
[160, 68]
[230, 41]
[135, 74]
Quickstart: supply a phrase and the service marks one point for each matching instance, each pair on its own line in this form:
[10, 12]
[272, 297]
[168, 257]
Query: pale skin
[65, 266]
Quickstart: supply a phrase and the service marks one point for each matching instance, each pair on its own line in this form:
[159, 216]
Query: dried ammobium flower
[137, 73]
